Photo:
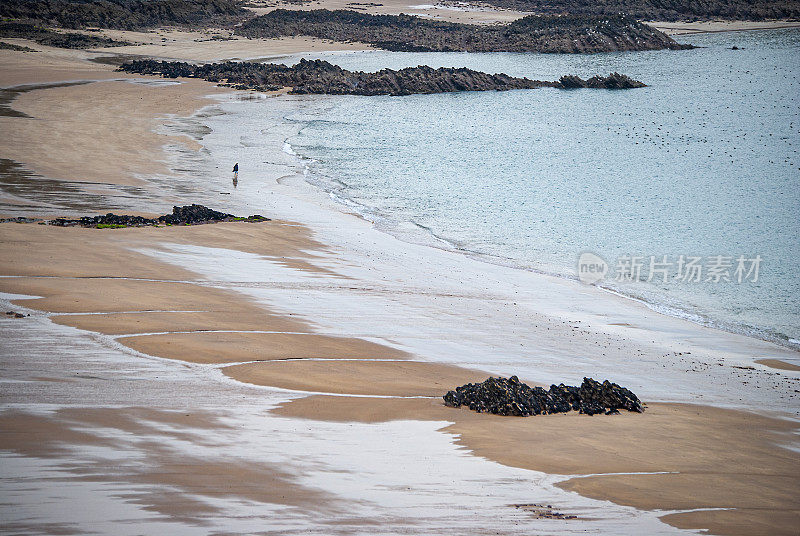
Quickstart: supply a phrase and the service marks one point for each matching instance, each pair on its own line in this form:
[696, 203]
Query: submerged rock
[509, 396]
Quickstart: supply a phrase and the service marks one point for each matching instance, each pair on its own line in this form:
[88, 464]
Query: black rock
[562, 33]
[19, 219]
[322, 77]
[186, 215]
[509, 396]
[663, 10]
[51, 38]
[190, 214]
[612, 81]
[125, 14]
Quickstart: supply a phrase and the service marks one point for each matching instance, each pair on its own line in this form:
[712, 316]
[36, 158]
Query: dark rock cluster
[662, 10]
[186, 215]
[509, 396]
[19, 219]
[51, 38]
[12, 46]
[322, 77]
[543, 511]
[406, 33]
[612, 81]
[193, 214]
[123, 14]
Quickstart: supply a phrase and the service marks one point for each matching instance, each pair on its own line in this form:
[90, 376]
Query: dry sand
[199, 46]
[734, 457]
[87, 113]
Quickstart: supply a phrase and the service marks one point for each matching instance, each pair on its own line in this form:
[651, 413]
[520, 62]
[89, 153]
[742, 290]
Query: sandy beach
[219, 377]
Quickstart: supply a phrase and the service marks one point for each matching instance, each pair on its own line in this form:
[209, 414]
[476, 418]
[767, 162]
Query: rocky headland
[405, 33]
[663, 10]
[124, 14]
[322, 77]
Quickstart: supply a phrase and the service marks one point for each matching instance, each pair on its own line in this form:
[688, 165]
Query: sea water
[703, 163]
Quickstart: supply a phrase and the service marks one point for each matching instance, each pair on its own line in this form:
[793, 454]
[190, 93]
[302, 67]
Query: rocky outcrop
[405, 33]
[51, 38]
[612, 81]
[321, 77]
[12, 46]
[509, 396]
[193, 214]
[186, 215]
[662, 10]
[123, 14]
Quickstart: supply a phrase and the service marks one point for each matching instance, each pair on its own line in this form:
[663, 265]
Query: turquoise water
[703, 162]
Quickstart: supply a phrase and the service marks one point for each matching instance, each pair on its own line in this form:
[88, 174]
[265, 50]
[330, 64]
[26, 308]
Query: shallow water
[703, 162]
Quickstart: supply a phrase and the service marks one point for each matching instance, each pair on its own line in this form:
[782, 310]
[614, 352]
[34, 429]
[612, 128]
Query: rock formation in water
[405, 33]
[612, 81]
[321, 77]
[509, 396]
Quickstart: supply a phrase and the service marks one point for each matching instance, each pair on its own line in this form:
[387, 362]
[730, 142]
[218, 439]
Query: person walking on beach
[235, 174]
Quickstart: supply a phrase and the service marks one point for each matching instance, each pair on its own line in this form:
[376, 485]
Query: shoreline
[311, 259]
[426, 237]
[716, 26]
[312, 198]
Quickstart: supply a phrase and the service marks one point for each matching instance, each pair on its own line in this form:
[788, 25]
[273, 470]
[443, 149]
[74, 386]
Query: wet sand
[98, 280]
[715, 458]
[94, 271]
[354, 376]
[52, 436]
[778, 364]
